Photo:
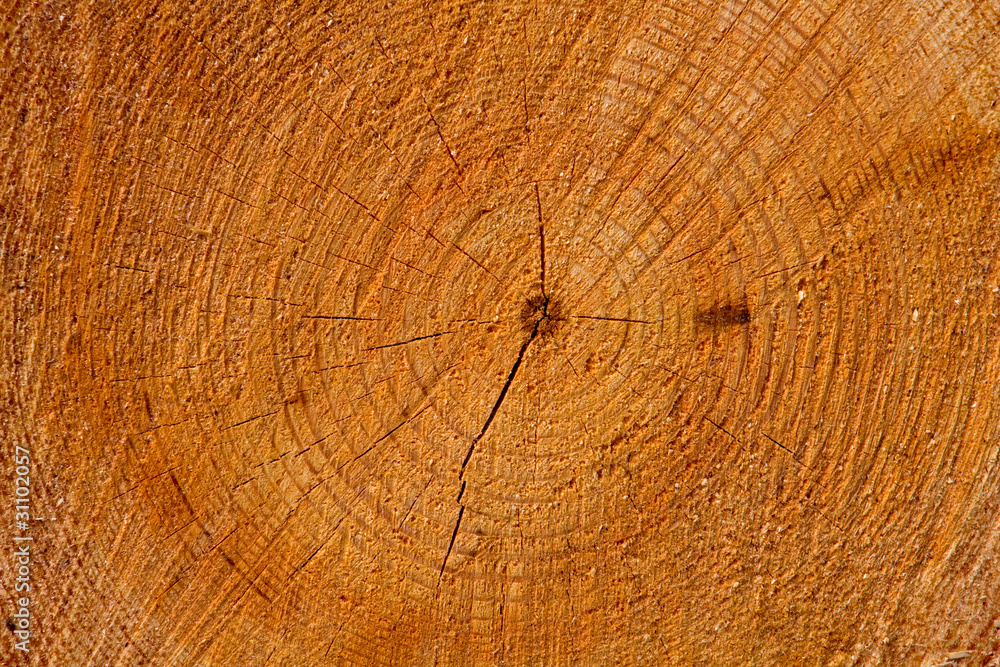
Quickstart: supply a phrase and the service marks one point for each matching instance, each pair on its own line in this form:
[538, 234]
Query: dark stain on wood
[723, 316]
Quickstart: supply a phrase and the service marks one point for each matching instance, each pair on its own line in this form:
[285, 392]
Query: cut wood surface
[437, 333]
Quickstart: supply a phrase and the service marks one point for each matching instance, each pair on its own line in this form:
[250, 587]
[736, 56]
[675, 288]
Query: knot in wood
[541, 316]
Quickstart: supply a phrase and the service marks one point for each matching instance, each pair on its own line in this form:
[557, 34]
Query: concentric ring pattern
[489, 333]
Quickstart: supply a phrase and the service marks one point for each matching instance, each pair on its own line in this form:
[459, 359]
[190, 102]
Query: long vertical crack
[503, 392]
[541, 237]
[503, 395]
[486, 426]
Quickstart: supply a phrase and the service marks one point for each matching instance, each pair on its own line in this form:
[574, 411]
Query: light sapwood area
[432, 333]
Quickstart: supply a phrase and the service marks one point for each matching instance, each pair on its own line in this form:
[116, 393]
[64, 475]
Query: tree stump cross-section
[436, 333]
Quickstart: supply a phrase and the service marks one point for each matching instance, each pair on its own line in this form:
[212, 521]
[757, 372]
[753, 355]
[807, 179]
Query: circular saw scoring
[460, 334]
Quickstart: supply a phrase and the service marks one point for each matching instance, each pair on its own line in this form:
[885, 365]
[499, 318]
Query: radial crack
[454, 534]
[541, 236]
[407, 342]
[611, 319]
[503, 394]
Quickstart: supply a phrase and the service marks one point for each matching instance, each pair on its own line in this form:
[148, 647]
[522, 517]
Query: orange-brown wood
[438, 333]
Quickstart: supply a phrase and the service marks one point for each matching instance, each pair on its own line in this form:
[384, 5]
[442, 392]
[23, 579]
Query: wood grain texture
[439, 333]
